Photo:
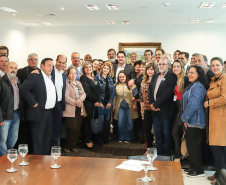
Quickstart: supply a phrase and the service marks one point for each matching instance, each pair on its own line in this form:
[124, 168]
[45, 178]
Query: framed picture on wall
[138, 48]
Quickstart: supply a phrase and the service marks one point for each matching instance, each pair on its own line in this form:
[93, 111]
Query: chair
[144, 158]
[221, 180]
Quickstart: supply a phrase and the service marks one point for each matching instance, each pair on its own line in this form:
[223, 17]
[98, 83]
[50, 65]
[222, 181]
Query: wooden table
[84, 171]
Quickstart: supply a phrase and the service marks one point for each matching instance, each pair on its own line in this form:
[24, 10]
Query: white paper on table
[133, 165]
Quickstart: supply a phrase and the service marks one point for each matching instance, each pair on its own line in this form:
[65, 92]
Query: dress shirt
[79, 69]
[117, 71]
[1, 73]
[158, 82]
[15, 91]
[58, 83]
[50, 91]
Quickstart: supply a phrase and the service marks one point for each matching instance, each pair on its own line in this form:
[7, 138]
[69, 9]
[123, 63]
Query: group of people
[156, 100]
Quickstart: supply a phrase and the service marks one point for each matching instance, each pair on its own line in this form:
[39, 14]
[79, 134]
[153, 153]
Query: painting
[138, 48]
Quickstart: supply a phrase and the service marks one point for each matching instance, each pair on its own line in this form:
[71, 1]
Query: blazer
[209, 75]
[33, 90]
[129, 70]
[164, 95]
[63, 89]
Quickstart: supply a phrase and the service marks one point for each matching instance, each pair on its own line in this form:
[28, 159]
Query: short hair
[133, 53]
[186, 54]
[108, 65]
[177, 51]
[59, 57]
[32, 55]
[148, 50]
[87, 55]
[168, 61]
[162, 50]
[195, 54]
[4, 47]
[111, 49]
[5, 56]
[100, 60]
[219, 59]
[75, 53]
[138, 62]
[45, 60]
[122, 53]
[70, 68]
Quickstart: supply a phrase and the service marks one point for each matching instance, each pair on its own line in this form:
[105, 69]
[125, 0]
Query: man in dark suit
[59, 79]
[122, 65]
[39, 92]
[184, 58]
[161, 92]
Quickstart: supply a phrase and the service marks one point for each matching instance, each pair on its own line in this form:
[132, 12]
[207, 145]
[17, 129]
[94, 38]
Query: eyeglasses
[162, 64]
[76, 58]
[32, 59]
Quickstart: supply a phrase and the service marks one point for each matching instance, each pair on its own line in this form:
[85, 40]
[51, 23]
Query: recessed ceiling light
[166, 4]
[33, 23]
[6, 9]
[194, 21]
[112, 7]
[206, 5]
[92, 7]
[62, 8]
[125, 22]
[224, 5]
[111, 22]
[210, 21]
[14, 14]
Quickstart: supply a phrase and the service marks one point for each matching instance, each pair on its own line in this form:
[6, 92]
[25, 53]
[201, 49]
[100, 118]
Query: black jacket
[6, 99]
[129, 70]
[164, 95]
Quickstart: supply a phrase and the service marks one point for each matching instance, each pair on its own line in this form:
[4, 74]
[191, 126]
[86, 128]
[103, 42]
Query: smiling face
[3, 63]
[150, 71]
[137, 68]
[133, 58]
[47, 67]
[176, 68]
[75, 59]
[163, 65]
[216, 67]
[106, 70]
[121, 58]
[158, 55]
[12, 69]
[192, 75]
[88, 69]
[72, 74]
[33, 61]
[122, 77]
[61, 62]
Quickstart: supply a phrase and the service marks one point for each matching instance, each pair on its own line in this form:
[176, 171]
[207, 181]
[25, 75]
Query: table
[84, 171]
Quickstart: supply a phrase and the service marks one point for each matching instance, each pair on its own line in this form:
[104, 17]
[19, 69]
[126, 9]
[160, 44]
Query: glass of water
[55, 153]
[152, 155]
[146, 167]
[12, 156]
[23, 150]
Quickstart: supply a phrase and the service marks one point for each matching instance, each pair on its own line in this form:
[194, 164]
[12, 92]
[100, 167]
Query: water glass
[12, 156]
[55, 153]
[23, 150]
[146, 178]
[152, 155]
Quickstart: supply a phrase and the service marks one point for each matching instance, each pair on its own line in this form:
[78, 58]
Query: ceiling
[138, 12]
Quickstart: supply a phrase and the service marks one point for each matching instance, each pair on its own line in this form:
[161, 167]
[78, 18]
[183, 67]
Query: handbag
[183, 149]
[97, 122]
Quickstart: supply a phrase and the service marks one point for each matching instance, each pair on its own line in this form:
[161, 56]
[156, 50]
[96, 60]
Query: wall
[14, 37]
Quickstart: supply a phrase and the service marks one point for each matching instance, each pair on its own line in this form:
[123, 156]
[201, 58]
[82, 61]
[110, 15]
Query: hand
[206, 104]
[134, 107]
[2, 123]
[35, 71]
[130, 83]
[133, 99]
[36, 105]
[153, 108]
[113, 108]
[78, 103]
[96, 104]
[101, 105]
[108, 106]
[186, 125]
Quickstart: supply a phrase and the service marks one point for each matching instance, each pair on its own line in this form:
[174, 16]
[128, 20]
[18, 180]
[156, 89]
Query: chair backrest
[144, 158]
[221, 180]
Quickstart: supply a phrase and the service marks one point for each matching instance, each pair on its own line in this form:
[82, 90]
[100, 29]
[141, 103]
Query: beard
[12, 75]
[112, 59]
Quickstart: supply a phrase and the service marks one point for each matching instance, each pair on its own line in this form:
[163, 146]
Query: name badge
[175, 98]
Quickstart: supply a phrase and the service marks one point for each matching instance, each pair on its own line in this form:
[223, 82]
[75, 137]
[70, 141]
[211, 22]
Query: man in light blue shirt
[75, 59]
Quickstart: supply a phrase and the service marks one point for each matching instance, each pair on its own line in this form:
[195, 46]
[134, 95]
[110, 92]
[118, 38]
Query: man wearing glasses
[161, 93]
[75, 60]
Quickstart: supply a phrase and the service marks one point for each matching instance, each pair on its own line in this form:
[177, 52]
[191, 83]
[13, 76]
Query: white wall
[14, 37]
[209, 39]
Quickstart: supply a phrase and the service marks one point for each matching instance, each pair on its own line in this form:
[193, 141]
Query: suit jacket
[164, 95]
[33, 90]
[129, 70]
[63, 89]
[209, 75]
[23, 73]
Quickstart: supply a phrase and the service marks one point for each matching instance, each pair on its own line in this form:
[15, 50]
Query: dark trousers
[163, 134]
[86, 122]
[73, 129]
[194, 139]
[41, 132]
[148, 122]
[57, 122]
[138, 130]
[177, 131]
[219, 153]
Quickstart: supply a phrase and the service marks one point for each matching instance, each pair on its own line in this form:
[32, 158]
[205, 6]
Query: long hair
[201, 76]
[180, 80]
[84, 66]
[148, 66]
[120, 72]
[109, 64]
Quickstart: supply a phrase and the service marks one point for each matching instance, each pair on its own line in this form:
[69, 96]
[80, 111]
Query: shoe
[120, 141]
[186, 171]
[66, 150]
[194, 174]
[127, 142]
[89, 145]
[211, 177]
[213, 181]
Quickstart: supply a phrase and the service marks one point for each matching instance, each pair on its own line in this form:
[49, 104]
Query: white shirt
[50, 91]
[117, 71]
[58, 83]
[1, 73]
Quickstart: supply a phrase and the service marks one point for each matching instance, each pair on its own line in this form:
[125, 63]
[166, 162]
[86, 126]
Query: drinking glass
[146, 178]
[152, 155]
[55, 153]
[23, 150]
[12, 156]
[140, 182]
